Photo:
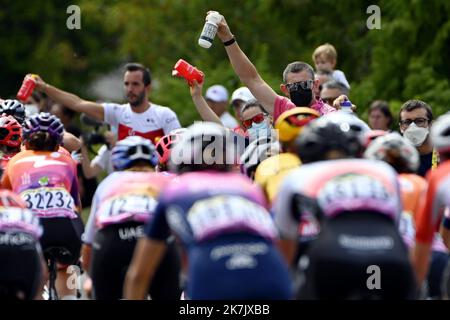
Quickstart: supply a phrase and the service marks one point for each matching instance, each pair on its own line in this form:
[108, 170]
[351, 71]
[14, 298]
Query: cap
[217, 93]
[243, 93]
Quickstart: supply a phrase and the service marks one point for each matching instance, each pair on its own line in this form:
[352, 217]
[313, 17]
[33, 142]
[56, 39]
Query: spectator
[298, 80]
[325, 58]
[138, 117]
[239, 97]
[416, 118]
[331, 90]
[380, 116]
[217, 98]
[256, 121]
[67, 117]
[102, 161]
[323, 76]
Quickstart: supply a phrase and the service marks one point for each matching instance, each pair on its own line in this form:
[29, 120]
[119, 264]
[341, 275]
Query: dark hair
[146, 76]
[383, 107]
[333, 84]
[296, 67]
[411, 105]
[41, 141]
[251, 104]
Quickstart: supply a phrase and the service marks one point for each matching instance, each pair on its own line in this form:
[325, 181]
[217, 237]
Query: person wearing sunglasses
[256, 121]
[299, 83]
[416, 118]
[331, 90]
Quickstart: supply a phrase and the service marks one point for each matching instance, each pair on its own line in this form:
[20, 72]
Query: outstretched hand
[337, 102]
[40, 84]
[195, 88]
[223, 30]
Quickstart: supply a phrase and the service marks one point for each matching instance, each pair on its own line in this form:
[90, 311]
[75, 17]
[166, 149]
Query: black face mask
[301, 97]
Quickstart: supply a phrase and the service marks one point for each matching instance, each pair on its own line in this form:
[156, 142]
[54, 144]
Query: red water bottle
[27, 88]
[187, 71]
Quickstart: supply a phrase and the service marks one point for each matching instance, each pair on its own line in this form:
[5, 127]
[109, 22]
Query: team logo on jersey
[43, 181]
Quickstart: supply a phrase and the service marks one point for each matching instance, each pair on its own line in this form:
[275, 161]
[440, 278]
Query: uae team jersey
[155, 122]
[46, 181]
[205, 205]
[122, 197]
[330, 188]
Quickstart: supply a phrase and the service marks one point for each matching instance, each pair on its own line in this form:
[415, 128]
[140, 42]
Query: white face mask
[416, 135]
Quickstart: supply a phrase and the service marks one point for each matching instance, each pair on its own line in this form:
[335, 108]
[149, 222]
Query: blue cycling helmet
[131, 149]
[13, 108]
[44, 122]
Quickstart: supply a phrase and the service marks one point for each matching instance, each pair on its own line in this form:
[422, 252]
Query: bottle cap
[346, 103]
[204, 43]
[214, 17]
[346, 106]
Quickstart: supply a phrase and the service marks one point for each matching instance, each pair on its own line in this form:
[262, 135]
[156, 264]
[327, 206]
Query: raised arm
[70, 142]
[205, 112]
[70, 100]
[245, 69]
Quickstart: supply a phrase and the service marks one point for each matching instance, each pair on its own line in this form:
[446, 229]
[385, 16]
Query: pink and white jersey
[205, 205]
[124, 196]
[14, 219]
[155, 122]
[333, 187]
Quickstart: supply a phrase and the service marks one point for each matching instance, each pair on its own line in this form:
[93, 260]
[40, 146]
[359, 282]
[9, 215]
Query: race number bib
[50, 202]
[355, 192]
[125, 207]
[222, 214]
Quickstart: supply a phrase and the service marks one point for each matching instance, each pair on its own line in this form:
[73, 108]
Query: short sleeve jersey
[124, 196]
[46, 181]
[330, 188]
[206, 205]
[155, 122]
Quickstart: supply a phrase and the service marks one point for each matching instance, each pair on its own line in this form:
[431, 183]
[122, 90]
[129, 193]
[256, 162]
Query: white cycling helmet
[203, 146]
[347, 122]
[440, 133]
[395, 150]
[256, 152]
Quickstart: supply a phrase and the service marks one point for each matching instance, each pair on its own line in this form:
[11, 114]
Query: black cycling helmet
[319, 138]
[13, 108]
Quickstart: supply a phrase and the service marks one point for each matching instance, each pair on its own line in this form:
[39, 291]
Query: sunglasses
[305, 85]
[256, 119]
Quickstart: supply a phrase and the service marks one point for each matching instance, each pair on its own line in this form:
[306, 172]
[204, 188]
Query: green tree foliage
[407, 58]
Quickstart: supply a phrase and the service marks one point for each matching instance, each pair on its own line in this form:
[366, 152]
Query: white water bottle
[209, 29]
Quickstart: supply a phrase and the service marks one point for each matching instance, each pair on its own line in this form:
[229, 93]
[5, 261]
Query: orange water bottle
[187, 71]
[27, 88]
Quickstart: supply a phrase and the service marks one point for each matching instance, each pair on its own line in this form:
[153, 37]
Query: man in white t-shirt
[138, 117]
[217, 98]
